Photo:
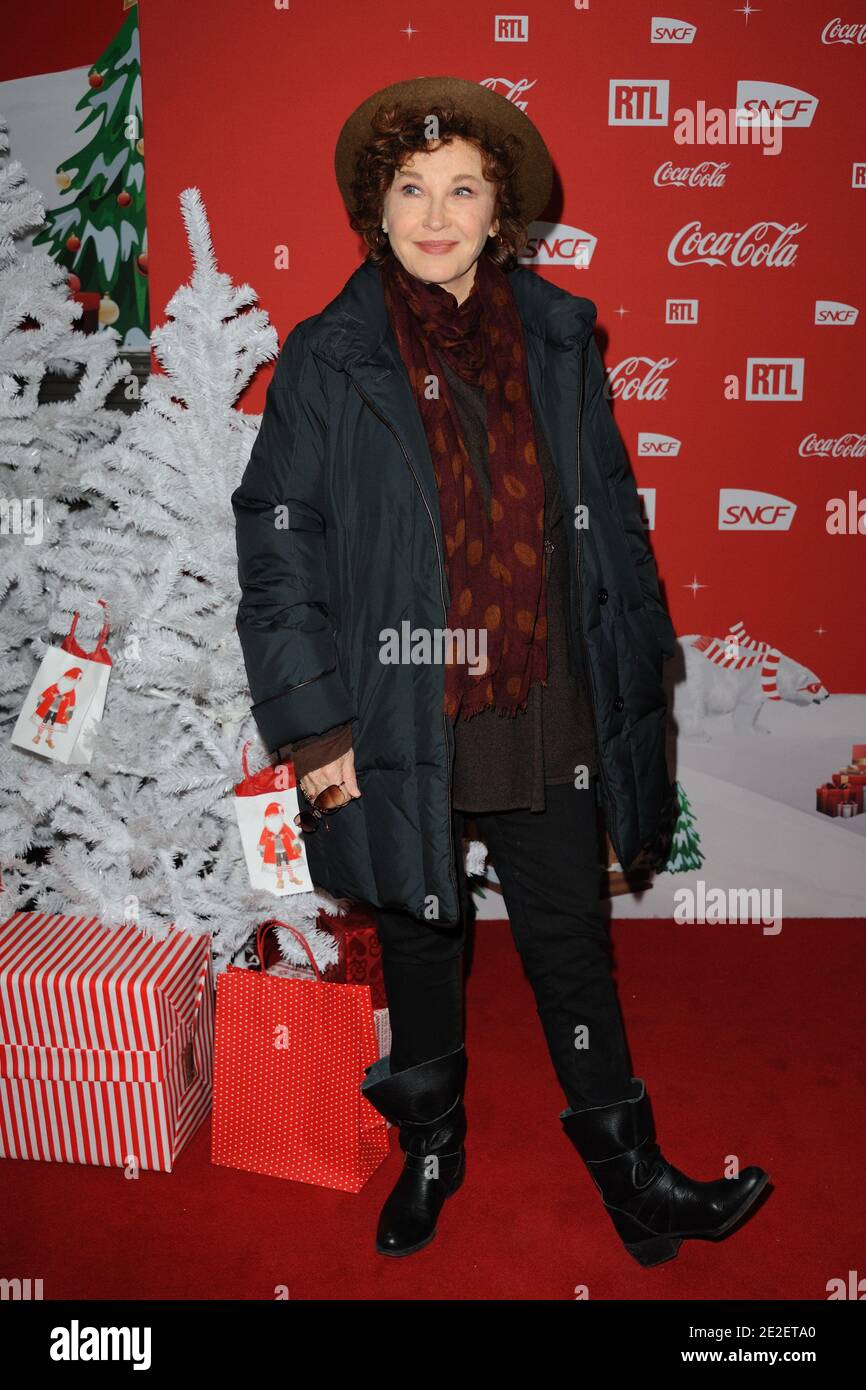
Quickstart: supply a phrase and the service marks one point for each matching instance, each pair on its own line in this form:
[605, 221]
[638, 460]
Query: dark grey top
[502, 762]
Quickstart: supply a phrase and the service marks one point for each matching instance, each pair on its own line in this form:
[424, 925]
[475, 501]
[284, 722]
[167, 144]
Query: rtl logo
[681, 311]
[774, 378]
[638, 101]
[511, 28]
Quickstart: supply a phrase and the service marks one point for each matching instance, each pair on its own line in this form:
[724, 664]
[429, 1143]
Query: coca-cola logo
[763, 244]
[844, 446]
[709, 174]
[836, 31]
[512, 91]
[638, 378]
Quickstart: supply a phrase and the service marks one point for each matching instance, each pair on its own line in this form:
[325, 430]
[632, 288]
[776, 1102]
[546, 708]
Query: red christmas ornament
[73, 242]
[124, 199]
[95, 79]
[141, 262]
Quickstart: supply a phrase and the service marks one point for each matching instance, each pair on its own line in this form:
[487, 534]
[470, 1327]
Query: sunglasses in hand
[332, 799]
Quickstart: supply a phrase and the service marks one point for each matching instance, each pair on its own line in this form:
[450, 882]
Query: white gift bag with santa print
[66, 700]
[266, 804]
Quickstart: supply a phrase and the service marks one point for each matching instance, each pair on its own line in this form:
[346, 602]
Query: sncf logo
[828, 312]
[555, 243]
[766, 103]
[671, 31]
[740, 509]
[774, 378]
[638, 101]
[657, 445]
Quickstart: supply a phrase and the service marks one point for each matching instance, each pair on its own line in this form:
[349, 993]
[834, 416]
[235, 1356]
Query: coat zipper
[445, 723]
[587, 677]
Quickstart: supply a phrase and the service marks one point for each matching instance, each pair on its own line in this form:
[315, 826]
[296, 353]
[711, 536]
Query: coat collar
[354, 328]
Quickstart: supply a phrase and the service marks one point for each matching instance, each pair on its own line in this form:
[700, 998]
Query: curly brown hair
[399, 132]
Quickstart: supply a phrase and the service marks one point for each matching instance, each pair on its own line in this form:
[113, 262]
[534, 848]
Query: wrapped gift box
[840, 800]
[849, 778]
[106, 1041]
[360, 959]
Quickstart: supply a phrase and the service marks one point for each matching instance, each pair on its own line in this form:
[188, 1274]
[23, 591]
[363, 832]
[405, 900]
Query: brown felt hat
[534, 175]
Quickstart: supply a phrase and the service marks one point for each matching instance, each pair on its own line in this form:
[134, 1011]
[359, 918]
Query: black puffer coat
[339, 537]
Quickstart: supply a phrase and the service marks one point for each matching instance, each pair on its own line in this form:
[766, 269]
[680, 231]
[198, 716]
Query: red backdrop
[246, 103]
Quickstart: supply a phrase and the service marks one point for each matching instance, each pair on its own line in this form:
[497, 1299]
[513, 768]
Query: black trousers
[547, 863]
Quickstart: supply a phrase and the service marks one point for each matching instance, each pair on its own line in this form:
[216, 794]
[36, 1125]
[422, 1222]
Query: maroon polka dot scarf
[496, 561]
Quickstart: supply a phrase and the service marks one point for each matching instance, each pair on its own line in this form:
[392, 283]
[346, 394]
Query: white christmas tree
[43, 448]
[148, 832]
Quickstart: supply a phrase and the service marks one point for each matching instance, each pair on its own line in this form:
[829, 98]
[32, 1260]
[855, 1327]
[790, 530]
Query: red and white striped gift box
[106, 1041]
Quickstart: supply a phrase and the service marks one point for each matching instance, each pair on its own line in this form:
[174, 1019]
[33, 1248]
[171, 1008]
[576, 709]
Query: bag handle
[275, 922]
[100, 641]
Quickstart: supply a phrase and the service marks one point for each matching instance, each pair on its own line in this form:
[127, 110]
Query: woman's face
[438, 215]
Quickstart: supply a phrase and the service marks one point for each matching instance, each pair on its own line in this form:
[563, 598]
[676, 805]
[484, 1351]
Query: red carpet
[749, 1045]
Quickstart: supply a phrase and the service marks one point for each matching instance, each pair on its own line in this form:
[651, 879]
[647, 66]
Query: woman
[449, 608]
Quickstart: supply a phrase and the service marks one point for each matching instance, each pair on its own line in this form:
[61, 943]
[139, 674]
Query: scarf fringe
[502, 711]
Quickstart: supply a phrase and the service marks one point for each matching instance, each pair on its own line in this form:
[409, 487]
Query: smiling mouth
[435, 245]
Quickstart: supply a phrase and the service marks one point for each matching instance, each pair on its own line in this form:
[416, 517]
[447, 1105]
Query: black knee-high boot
[426, 1101]
[653, 1206]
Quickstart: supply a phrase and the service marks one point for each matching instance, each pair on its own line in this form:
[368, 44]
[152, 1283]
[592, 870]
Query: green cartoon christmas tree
[98, 231]
[685, 847]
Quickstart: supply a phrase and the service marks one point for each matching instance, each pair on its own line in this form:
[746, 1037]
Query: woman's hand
[340, 770]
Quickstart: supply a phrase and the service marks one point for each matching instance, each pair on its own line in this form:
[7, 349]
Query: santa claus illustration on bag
[278, 845]
[56, 705]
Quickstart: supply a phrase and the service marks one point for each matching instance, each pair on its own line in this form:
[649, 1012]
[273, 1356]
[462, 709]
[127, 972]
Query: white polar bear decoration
[736, 675]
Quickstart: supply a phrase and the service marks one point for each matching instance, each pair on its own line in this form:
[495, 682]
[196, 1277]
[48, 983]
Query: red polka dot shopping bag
[289, 1059]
